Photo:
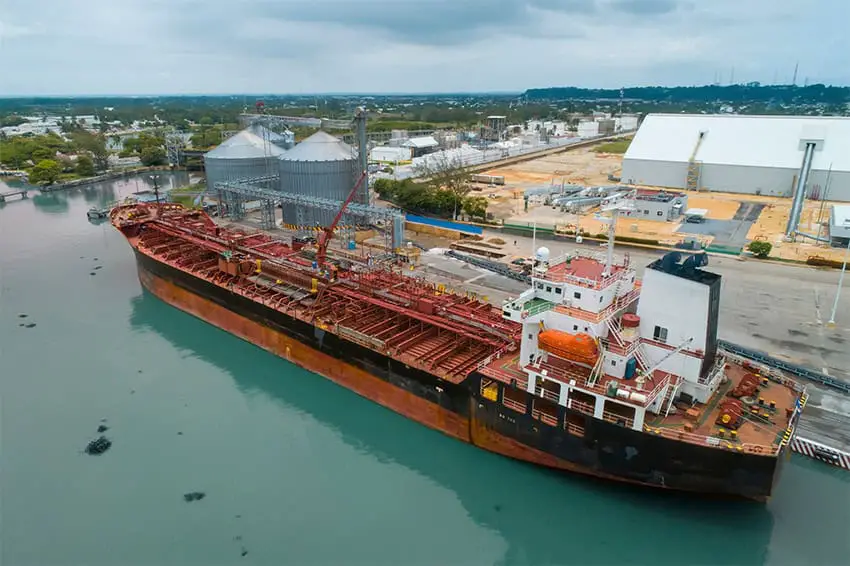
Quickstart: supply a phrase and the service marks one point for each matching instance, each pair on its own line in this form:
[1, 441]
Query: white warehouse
[742, 154]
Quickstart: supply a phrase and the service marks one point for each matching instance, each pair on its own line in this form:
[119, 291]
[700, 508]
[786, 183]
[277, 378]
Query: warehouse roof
[244, 145]
[421, 142]
[762, 141]
[321, 146]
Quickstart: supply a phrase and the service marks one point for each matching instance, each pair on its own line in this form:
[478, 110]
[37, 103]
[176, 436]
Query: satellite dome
[542, 254]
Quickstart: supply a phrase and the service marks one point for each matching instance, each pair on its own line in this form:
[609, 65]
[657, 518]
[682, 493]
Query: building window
[506, 313]
[613, 362]
[540, 285]
[600, 298]
[577, 295]
[548, 288]
[659, 213]
[531, 336]
[659, 334]
[557, 290]
[646, 212]
[575, 327]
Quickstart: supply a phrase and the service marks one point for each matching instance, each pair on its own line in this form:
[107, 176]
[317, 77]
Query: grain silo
[241, 157]
[284, 140]
[320, 166]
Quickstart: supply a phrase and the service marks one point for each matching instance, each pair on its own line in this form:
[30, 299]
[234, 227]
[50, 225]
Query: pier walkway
[11, 194]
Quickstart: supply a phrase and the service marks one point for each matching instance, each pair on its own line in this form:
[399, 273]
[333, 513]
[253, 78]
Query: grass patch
[619, 146]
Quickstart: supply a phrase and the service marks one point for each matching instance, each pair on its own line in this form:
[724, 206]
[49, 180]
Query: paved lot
[731, 232]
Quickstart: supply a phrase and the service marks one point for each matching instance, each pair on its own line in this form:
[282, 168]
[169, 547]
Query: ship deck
[762, 431]
[375, 306]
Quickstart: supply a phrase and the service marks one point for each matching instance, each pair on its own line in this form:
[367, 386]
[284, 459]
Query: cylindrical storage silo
[241, 157]
[321, 166]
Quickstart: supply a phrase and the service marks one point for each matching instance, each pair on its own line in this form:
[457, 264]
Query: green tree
[45, 172]
[85, 166]
[476, 207]
[152, 155]
[94, 144]
[447, 173]
[760, 249]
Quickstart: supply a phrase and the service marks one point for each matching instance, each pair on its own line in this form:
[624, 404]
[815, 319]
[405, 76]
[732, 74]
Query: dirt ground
[581, 166]
[584, 166]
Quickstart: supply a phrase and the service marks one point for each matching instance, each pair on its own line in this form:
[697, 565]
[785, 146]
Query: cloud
[645, 7]
[216, 46]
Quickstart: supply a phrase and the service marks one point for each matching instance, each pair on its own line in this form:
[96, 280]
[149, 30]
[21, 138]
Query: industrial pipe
[800, 191]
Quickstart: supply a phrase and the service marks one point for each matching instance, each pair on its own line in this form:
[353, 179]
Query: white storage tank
[241, 157]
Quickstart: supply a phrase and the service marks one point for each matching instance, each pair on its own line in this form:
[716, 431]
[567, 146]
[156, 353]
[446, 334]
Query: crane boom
[327, 234]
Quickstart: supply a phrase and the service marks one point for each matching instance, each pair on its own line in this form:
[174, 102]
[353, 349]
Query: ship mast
[623, 202]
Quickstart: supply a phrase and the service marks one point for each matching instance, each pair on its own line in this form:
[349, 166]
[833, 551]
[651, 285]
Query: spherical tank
[320, 166]
[580, 348]
[240, 157]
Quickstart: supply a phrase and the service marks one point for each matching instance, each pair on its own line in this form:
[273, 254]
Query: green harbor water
[296, 470]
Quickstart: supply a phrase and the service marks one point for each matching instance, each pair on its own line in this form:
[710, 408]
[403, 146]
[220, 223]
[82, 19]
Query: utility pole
[794, 80]
[831, 322]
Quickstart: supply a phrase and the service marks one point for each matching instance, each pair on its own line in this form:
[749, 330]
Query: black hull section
[608, 449]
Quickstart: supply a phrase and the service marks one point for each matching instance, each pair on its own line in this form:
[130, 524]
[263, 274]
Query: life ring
[726, 418]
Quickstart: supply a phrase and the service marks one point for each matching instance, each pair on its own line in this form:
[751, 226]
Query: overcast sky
[305, 46]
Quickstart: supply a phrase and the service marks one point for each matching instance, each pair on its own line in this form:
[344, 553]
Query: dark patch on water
[98, 446]
[793, 332]
[194, 496]
[836, 339]
[30, 325]
[98, 267]
[244, 551]
[92, 273]
[179, 433]
[22, 315]
[102, 428]
[797, 347]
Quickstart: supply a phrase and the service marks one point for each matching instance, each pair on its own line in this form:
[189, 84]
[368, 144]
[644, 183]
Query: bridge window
[557, 290]
[577, 295]
[548, 288]
[659, 334]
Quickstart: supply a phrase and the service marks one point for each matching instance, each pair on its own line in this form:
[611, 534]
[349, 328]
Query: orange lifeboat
[579, 348]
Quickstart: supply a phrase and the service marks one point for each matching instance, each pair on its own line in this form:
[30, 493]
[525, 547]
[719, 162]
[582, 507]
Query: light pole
[840, 282]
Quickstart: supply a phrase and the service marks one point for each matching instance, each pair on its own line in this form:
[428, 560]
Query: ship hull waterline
[454, 410]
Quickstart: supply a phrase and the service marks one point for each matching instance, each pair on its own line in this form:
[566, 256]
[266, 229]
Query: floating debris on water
[98, 267]
[30, 325]
[22, 315]
[102, 428]
[244, 551]
[179, 433]
[98, 446]
[95, 259]
[194, 496]
[92, 273]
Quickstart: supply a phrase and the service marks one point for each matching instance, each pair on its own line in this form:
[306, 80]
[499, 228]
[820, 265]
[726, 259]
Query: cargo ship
[590, 370]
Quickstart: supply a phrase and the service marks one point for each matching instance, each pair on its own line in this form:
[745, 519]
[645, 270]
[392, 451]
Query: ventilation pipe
[800, 191]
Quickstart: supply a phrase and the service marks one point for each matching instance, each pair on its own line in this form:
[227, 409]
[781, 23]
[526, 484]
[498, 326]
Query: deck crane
[327, 234]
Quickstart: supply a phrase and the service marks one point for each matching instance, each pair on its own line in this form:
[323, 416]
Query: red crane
[328, 233]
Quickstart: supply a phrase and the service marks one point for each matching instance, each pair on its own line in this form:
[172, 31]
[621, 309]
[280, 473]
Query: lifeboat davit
[579, 348]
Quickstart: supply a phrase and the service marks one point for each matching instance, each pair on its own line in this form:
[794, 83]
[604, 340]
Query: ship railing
[361, 338]
[618, 304]
[628, 422]
[713, 441]
[546, 394]
[511, 404]
[494, 356]
[581, 407]
[544, 417]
